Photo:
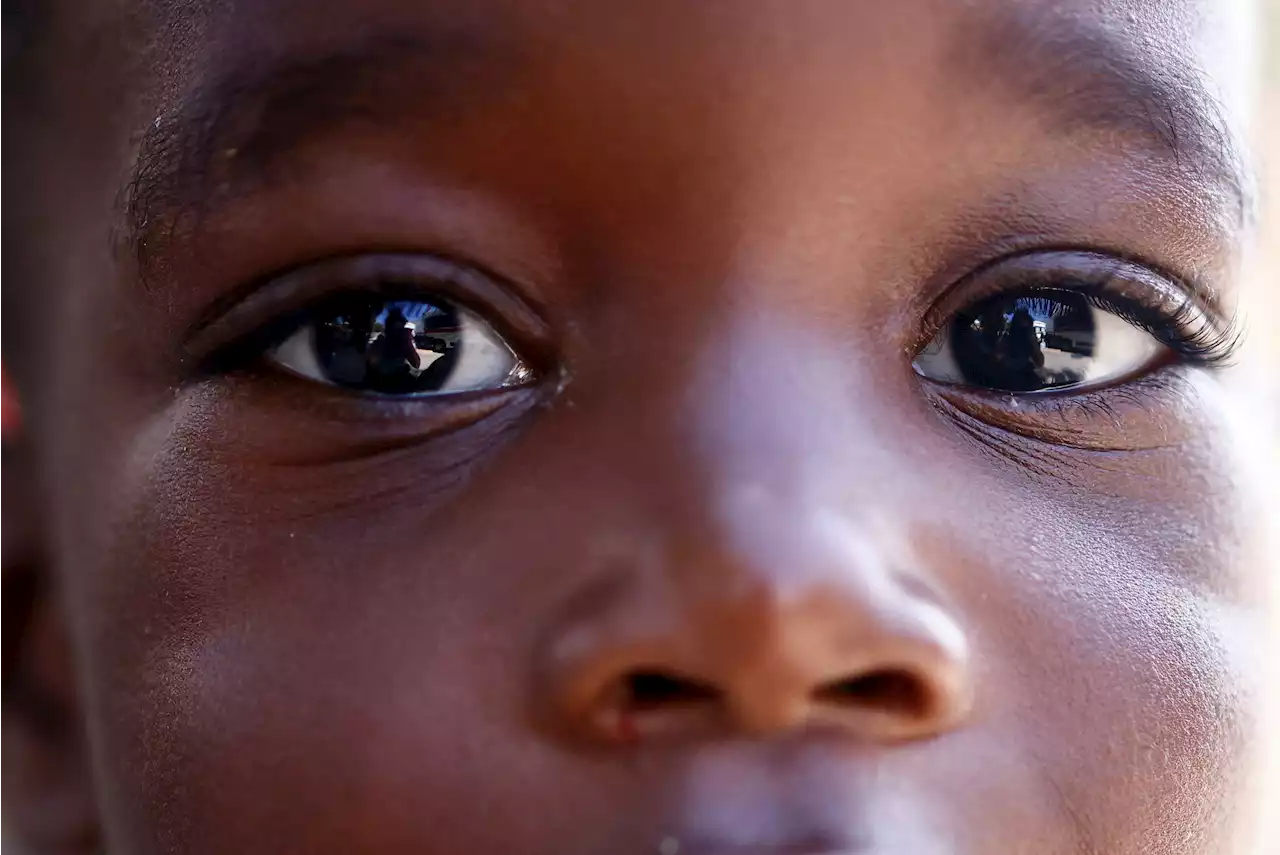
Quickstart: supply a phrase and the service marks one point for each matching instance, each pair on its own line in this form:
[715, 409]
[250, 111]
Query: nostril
[890, 690]
[652, 690]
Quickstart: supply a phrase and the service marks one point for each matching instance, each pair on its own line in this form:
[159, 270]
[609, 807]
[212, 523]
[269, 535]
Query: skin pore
[724, 564]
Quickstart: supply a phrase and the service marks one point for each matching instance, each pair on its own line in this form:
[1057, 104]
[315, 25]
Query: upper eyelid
[1120, 277]
[395, 275]
[1166, 307]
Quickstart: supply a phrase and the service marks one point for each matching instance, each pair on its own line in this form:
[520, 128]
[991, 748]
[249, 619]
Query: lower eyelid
[344, 454]
[331, 423]
[1141, 414]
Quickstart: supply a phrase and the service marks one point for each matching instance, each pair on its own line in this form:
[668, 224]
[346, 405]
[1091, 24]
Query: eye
[427, 346]
[1037, 340]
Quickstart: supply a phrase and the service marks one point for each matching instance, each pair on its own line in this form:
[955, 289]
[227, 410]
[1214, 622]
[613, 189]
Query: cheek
[1125, 634]
[342, 646]
[329, 617]
[239, 612]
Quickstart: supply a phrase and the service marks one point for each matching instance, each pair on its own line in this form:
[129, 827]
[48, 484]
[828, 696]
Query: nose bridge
[800, 491]
[787, 405]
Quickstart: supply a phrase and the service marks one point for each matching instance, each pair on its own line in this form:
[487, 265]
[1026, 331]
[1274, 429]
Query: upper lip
[798, 837]
[805, 795]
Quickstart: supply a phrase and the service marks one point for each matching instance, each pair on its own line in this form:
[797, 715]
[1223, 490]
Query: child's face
[647, 427]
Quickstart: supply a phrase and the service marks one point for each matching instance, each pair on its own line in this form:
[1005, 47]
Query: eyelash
[236, 338]
[248, 350]
[1188, 330]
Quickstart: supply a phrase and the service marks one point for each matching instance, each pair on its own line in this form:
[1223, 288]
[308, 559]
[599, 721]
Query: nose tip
[897, 669]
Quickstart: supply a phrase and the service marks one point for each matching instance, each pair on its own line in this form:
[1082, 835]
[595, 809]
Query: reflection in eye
[1034, 341]
[400, 347]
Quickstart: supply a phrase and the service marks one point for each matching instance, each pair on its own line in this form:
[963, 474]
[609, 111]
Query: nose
[840, 629]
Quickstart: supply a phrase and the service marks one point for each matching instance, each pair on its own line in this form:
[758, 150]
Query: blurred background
[1264, 274]
[1263, 283]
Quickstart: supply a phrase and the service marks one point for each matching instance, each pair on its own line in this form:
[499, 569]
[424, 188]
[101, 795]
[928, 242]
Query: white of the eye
[484, 360]
[936, 361]
[1118, 349]
[298, 354]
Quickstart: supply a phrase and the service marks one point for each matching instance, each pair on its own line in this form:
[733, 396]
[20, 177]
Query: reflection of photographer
[398, 341]
[1022, 343]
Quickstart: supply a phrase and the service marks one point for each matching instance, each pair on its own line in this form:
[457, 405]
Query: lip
[784, 799]
[786, 832]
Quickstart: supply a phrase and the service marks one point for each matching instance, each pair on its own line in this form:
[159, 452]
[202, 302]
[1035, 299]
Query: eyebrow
[1078, 74]
[240, 129]
[1082, 74]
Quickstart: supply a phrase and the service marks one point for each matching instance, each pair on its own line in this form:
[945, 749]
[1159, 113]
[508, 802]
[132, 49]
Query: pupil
[395, 347]
[1024, 343]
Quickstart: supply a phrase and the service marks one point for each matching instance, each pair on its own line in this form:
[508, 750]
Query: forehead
[260, 78]
[186, 38]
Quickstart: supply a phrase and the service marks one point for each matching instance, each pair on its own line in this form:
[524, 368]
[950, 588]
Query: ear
[48, 796]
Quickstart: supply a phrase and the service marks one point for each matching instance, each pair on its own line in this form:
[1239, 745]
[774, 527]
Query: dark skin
[721, 572]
